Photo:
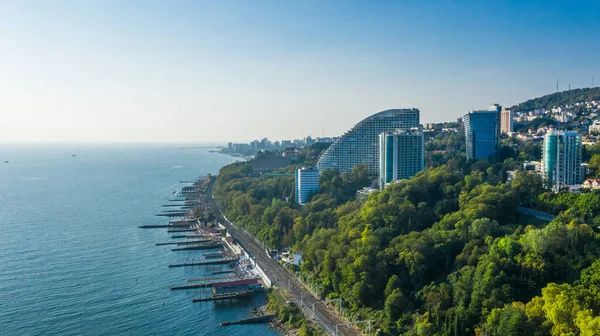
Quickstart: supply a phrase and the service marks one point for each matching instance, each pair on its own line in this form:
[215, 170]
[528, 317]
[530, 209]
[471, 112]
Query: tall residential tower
[401, 155]
[482, 133]
[561, 159]
[307, 183]
[361, 143]
[506, 121]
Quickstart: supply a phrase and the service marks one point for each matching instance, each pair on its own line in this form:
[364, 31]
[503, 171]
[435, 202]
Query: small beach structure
[236, 286]
[229, 290]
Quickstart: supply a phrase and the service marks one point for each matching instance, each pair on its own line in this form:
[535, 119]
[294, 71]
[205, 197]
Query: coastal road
[281, 277]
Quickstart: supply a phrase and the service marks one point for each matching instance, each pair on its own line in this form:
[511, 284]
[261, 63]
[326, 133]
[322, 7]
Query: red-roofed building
[236, 286]
[591, 183]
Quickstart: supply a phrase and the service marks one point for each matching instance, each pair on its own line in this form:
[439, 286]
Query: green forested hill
[445, 253]
[559, 98]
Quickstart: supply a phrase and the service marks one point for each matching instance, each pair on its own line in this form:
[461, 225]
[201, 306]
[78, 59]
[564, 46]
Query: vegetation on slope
[559, 98]
[289, 314]
[444, 253]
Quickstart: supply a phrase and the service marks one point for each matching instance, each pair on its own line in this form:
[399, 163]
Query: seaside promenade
[281, 278]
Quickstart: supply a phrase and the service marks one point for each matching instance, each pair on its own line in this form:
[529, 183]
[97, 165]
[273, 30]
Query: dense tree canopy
[443, 253]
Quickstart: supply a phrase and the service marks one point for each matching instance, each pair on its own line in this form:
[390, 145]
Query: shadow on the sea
[243, 301]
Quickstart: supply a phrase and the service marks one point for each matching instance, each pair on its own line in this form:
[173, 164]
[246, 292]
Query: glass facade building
[482, 133]
[561, 159]
[307, 183]
[361, 143]
[401, 155]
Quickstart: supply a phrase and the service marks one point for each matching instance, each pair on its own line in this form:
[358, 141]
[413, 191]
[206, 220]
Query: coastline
[290, 319]
[201, 216]
[89, 218]
[283, 280]
[236, 155]
[198, 217]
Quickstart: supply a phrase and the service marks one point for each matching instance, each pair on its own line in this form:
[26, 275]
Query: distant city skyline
[197, 72]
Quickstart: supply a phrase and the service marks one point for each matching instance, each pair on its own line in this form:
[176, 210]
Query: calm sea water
[72, 260]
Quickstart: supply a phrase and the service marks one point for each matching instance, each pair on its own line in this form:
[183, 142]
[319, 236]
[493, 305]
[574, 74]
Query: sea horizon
[72, 258]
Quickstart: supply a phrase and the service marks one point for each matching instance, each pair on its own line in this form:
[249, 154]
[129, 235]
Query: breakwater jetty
[187, 242]
[204, 246]
[192, 229]
[181, 230]
[256, 319]
[231, 296]
[208, 261]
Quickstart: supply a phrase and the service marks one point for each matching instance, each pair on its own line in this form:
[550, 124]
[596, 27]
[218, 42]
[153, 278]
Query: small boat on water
[6, 161]
[73, 155]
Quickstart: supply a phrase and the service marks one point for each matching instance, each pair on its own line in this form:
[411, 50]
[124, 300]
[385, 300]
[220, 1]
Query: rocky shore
[276, 324]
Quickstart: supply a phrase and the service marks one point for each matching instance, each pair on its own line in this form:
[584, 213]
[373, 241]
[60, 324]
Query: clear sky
[154, 71]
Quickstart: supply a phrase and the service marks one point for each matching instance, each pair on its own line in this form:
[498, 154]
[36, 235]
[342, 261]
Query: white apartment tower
[307, 183]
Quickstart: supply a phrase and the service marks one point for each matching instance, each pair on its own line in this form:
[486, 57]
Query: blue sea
[72, 260]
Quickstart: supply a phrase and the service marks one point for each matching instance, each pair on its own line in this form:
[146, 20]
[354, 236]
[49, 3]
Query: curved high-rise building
[361, 143]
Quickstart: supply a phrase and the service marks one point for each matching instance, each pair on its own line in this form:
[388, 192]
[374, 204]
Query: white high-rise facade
[401, 155]
[561, 159]
[307, 183]
[594, 128]
[361, 143]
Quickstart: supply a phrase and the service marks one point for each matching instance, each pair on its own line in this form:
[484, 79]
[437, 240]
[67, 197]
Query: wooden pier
[228, 296]
[194, 286]
[256, 319]
[199, 247]
[204, 282]
[181, 230]
[184, 221]
[214, 255]
[181, 206]
[162, 226]
[190, 236]
[173, 214]
[212, 280]
[154, 226]
[203, 262]
[199, 235]
[188, 242]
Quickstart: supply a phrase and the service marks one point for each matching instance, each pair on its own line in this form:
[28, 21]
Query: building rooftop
[235, 283]
[389, 113]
